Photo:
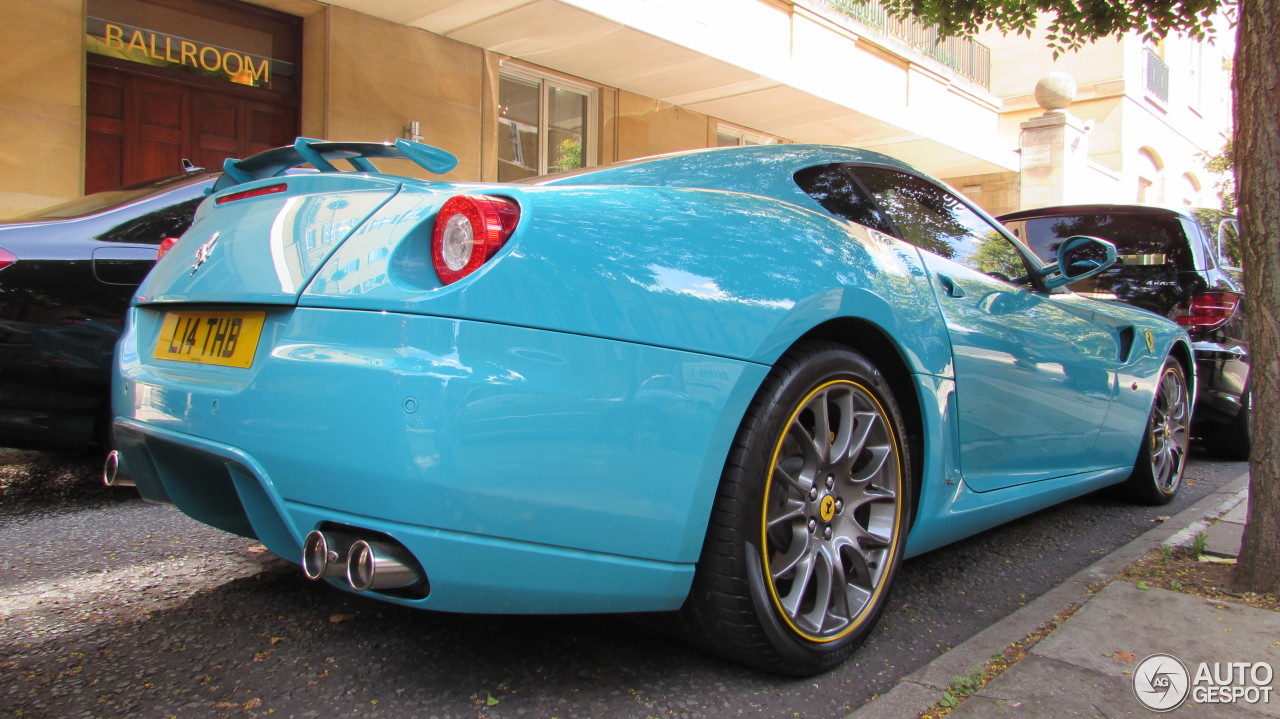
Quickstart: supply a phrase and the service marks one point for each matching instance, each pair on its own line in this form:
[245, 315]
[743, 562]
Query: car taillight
[255, 192]
[165, 245]
[6, 258]
[1209, 310]
[469, 230]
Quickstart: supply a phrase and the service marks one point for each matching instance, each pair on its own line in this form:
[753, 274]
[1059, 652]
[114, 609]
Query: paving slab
[1042, 687]
[1237, 515]
[1224, 539]
[1123, 618]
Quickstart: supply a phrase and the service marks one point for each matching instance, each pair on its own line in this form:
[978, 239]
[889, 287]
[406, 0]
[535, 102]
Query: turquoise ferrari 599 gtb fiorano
[739, 385]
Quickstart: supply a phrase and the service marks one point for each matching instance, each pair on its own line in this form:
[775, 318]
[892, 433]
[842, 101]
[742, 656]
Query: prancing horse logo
[203, 252]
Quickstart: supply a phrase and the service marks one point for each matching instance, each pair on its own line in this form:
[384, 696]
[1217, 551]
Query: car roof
[1102, 208]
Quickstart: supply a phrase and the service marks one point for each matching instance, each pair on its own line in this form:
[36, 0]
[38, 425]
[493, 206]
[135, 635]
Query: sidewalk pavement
[1073, 672]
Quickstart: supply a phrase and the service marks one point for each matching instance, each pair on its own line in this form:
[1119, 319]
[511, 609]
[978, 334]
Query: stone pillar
[1054, 147]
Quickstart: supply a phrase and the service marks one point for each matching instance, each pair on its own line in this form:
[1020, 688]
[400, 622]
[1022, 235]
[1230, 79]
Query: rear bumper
[224, 487]
[527, 471]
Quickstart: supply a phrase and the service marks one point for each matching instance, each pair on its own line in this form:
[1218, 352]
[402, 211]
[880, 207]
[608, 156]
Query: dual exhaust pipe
[367, 563]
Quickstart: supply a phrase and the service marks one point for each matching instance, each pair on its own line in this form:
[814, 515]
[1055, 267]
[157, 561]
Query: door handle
[950, 287]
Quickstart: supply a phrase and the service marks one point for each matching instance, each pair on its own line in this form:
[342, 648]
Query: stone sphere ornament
[1055, 91]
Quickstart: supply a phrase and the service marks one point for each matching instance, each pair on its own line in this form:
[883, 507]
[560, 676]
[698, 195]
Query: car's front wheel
[1157, 473]
[810, 519]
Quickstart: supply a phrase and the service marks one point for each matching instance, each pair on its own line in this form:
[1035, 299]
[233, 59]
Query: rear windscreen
[1140, 240]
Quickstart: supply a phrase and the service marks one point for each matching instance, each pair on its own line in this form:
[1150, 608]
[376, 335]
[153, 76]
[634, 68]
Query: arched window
[1190, 190]
[1150, 177]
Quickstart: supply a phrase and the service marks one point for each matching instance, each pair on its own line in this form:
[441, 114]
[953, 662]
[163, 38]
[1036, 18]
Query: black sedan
[66, 276]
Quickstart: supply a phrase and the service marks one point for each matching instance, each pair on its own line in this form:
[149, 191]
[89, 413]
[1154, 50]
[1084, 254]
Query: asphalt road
[111, 606]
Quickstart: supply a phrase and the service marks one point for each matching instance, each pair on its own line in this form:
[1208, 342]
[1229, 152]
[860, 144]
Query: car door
[1034, 373]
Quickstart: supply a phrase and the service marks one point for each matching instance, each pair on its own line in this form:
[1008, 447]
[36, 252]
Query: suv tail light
[1209, 310]
[470, 229]
[6, 258]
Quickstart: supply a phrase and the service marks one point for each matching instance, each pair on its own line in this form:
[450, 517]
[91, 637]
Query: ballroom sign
[150, 47]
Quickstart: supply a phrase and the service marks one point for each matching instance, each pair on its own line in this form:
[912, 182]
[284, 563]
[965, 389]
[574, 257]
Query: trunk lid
[262, 242]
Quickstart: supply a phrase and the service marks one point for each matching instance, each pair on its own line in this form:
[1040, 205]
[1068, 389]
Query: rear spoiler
[319, 154]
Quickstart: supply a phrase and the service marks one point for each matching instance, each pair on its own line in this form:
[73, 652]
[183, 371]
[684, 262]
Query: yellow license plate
[222, 338]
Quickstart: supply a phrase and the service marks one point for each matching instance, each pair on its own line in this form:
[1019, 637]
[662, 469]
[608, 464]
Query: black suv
[1180, 263]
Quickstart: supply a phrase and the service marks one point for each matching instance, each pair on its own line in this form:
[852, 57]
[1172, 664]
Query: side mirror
[1079, 257]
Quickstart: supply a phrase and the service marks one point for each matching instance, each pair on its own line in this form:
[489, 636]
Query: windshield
[99, 201]
[1140, 240]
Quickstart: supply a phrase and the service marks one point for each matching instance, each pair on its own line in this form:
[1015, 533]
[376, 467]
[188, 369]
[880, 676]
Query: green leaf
[490, 701]
[1143, 586]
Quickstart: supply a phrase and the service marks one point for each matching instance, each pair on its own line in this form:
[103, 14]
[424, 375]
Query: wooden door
[228, 126]
[104, 131]
[140, 127]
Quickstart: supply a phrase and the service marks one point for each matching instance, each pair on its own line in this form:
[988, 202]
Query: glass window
[835, 189]
[543, 126]
[1141, 240]
[935, 220]
[152, 227]
[1230, 250]
[729, 136]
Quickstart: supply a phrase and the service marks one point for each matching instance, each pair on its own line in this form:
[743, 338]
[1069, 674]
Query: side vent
[1126, 343]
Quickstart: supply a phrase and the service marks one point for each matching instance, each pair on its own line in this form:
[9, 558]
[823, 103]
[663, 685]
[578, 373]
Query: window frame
[1031, 263]
[546, 81]
[742, 134]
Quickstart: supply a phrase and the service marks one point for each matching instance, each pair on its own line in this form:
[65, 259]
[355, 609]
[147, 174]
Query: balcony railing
[969, 58]
[1157, 73]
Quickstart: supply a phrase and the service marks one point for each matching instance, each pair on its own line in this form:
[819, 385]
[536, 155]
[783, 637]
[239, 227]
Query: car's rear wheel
[1157, 473]
[810, 519]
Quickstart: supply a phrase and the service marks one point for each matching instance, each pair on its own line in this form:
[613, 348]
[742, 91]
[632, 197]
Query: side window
[835, 189]
[154, 226]
[1230, 251]
[937, 221]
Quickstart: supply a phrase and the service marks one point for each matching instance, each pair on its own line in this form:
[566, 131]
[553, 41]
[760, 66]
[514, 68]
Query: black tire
[1162, 458]
[1230, 440]
[834, 511]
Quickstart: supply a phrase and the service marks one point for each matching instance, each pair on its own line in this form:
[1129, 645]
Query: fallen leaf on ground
[1125, 656]
[340, 618]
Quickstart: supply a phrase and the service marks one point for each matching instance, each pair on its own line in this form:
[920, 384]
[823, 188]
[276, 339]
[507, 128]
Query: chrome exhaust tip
[111, 474]
[324, 554]
[377, 566]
